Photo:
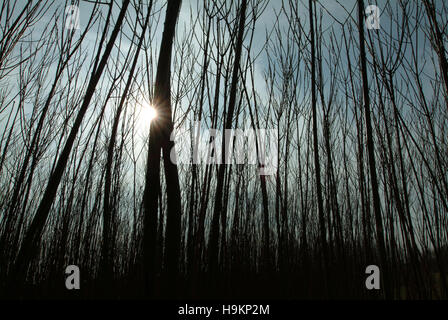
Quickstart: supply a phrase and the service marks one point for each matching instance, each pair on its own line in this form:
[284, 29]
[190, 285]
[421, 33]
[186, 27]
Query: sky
[333, 11]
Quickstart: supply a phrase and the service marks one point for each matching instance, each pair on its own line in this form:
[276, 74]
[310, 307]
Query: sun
[145, 114]
[149, 113]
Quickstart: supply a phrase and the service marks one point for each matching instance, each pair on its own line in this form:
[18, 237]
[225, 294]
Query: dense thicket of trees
[86, 178]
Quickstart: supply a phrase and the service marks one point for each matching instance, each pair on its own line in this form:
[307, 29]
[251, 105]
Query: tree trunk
[159, 140]
[320, 206]
[214, 231]
[106, 266]
[371, 153]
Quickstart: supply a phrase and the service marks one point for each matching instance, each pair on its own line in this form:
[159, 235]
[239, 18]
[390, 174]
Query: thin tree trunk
[106, 266]
[371, 153]
[214, 232]
[320, 206]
